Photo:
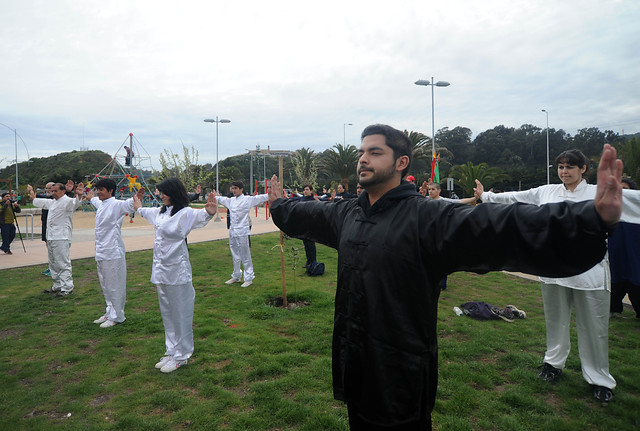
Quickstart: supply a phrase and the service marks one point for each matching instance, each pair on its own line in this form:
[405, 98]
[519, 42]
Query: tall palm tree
[341, 161]
[466, 175]
[304, 166]
[421, 144]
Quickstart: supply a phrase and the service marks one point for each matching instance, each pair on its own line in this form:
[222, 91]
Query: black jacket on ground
[391, 257]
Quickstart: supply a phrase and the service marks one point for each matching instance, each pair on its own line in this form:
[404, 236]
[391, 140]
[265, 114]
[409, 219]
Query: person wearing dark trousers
[309, 246]
[394, 246]
[8, 211]
[624, 260]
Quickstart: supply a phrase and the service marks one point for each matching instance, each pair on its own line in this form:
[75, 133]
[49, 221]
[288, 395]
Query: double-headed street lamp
[547, 169]
[432, 84]
[210, 120]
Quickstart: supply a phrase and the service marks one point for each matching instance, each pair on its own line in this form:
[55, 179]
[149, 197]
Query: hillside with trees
[506, 158]
[74, 165]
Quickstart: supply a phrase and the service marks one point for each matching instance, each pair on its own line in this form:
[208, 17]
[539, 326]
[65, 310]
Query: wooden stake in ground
[284, 283]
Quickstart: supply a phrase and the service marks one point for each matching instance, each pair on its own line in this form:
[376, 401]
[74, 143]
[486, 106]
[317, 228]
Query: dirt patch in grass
[100, 400]
[278, 301]
[10, 333]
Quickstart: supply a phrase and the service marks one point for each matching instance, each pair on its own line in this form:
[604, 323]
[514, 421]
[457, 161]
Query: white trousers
[60, 265]
[240, 252]
[592, 324]
[176, 306]
[113, 280]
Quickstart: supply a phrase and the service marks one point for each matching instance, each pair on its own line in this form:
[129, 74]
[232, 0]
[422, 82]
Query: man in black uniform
[394, 246]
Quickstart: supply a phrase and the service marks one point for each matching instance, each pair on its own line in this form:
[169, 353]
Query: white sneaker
[231, 281]
[101, 319]
[163, 361]
[108, 324]
[247, 283]
[172, 365]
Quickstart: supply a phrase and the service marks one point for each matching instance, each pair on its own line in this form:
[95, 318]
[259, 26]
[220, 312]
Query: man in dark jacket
[394, 246]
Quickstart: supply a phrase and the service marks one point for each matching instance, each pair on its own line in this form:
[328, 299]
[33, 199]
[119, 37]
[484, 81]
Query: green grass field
[259, 367]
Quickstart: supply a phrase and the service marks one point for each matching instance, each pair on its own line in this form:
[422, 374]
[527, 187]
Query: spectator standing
[8, 210]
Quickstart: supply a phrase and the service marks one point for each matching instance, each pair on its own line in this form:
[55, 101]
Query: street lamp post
[15, 142]
[432, 84]
[344, 133]
[217, 121]
[547, 168]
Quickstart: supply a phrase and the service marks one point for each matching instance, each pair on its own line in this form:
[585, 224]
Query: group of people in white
[171, 268]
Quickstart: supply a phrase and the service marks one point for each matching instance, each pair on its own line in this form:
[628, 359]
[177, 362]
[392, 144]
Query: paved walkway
[138, 235]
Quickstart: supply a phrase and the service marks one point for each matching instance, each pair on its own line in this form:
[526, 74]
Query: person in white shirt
[171, 269]
[239, 231]
[588, 293]
[110, 253]
[59, 230]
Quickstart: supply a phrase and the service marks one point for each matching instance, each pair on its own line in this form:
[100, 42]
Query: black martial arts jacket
[391, 257]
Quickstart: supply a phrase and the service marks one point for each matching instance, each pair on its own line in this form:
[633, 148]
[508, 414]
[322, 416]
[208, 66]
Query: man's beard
[376, 177]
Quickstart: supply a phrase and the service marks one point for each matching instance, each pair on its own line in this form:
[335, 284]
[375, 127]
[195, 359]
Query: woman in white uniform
[588, 293]
[171, 269]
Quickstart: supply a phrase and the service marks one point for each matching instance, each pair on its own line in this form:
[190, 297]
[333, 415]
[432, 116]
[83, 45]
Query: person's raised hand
[608, 200]
[275, 191]
[140, 194]
[478, 190]
[423, 188]
[69, 185]
[137, 203]
[211, 206]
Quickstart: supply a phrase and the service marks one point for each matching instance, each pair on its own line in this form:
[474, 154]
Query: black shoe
[51, 291]
[602, 394]
[63, 293]
[549, 373]
[8, 252]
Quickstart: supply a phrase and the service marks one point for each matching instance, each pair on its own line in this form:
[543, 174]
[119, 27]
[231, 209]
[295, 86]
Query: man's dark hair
[238, 184]
[573, 158]
[7, 193]
[395, 139]
[436, 185]
[107, 183]
[60, 186]
[307, 185]
[631, 183]
[177, 192]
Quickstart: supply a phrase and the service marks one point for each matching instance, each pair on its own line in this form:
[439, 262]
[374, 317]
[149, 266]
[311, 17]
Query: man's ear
[402, 162]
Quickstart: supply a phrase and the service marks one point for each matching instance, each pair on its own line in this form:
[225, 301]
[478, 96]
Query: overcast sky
[290, 74]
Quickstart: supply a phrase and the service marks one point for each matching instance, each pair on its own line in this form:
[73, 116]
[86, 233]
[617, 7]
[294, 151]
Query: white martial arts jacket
[239, 207]
[170, 254]
[109, 215]
[60, 218]
[598, 277]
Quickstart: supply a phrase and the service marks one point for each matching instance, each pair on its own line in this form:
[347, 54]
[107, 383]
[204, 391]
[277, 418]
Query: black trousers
[619, 290]
[309, 250]
[8, 234]
[356, 423]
